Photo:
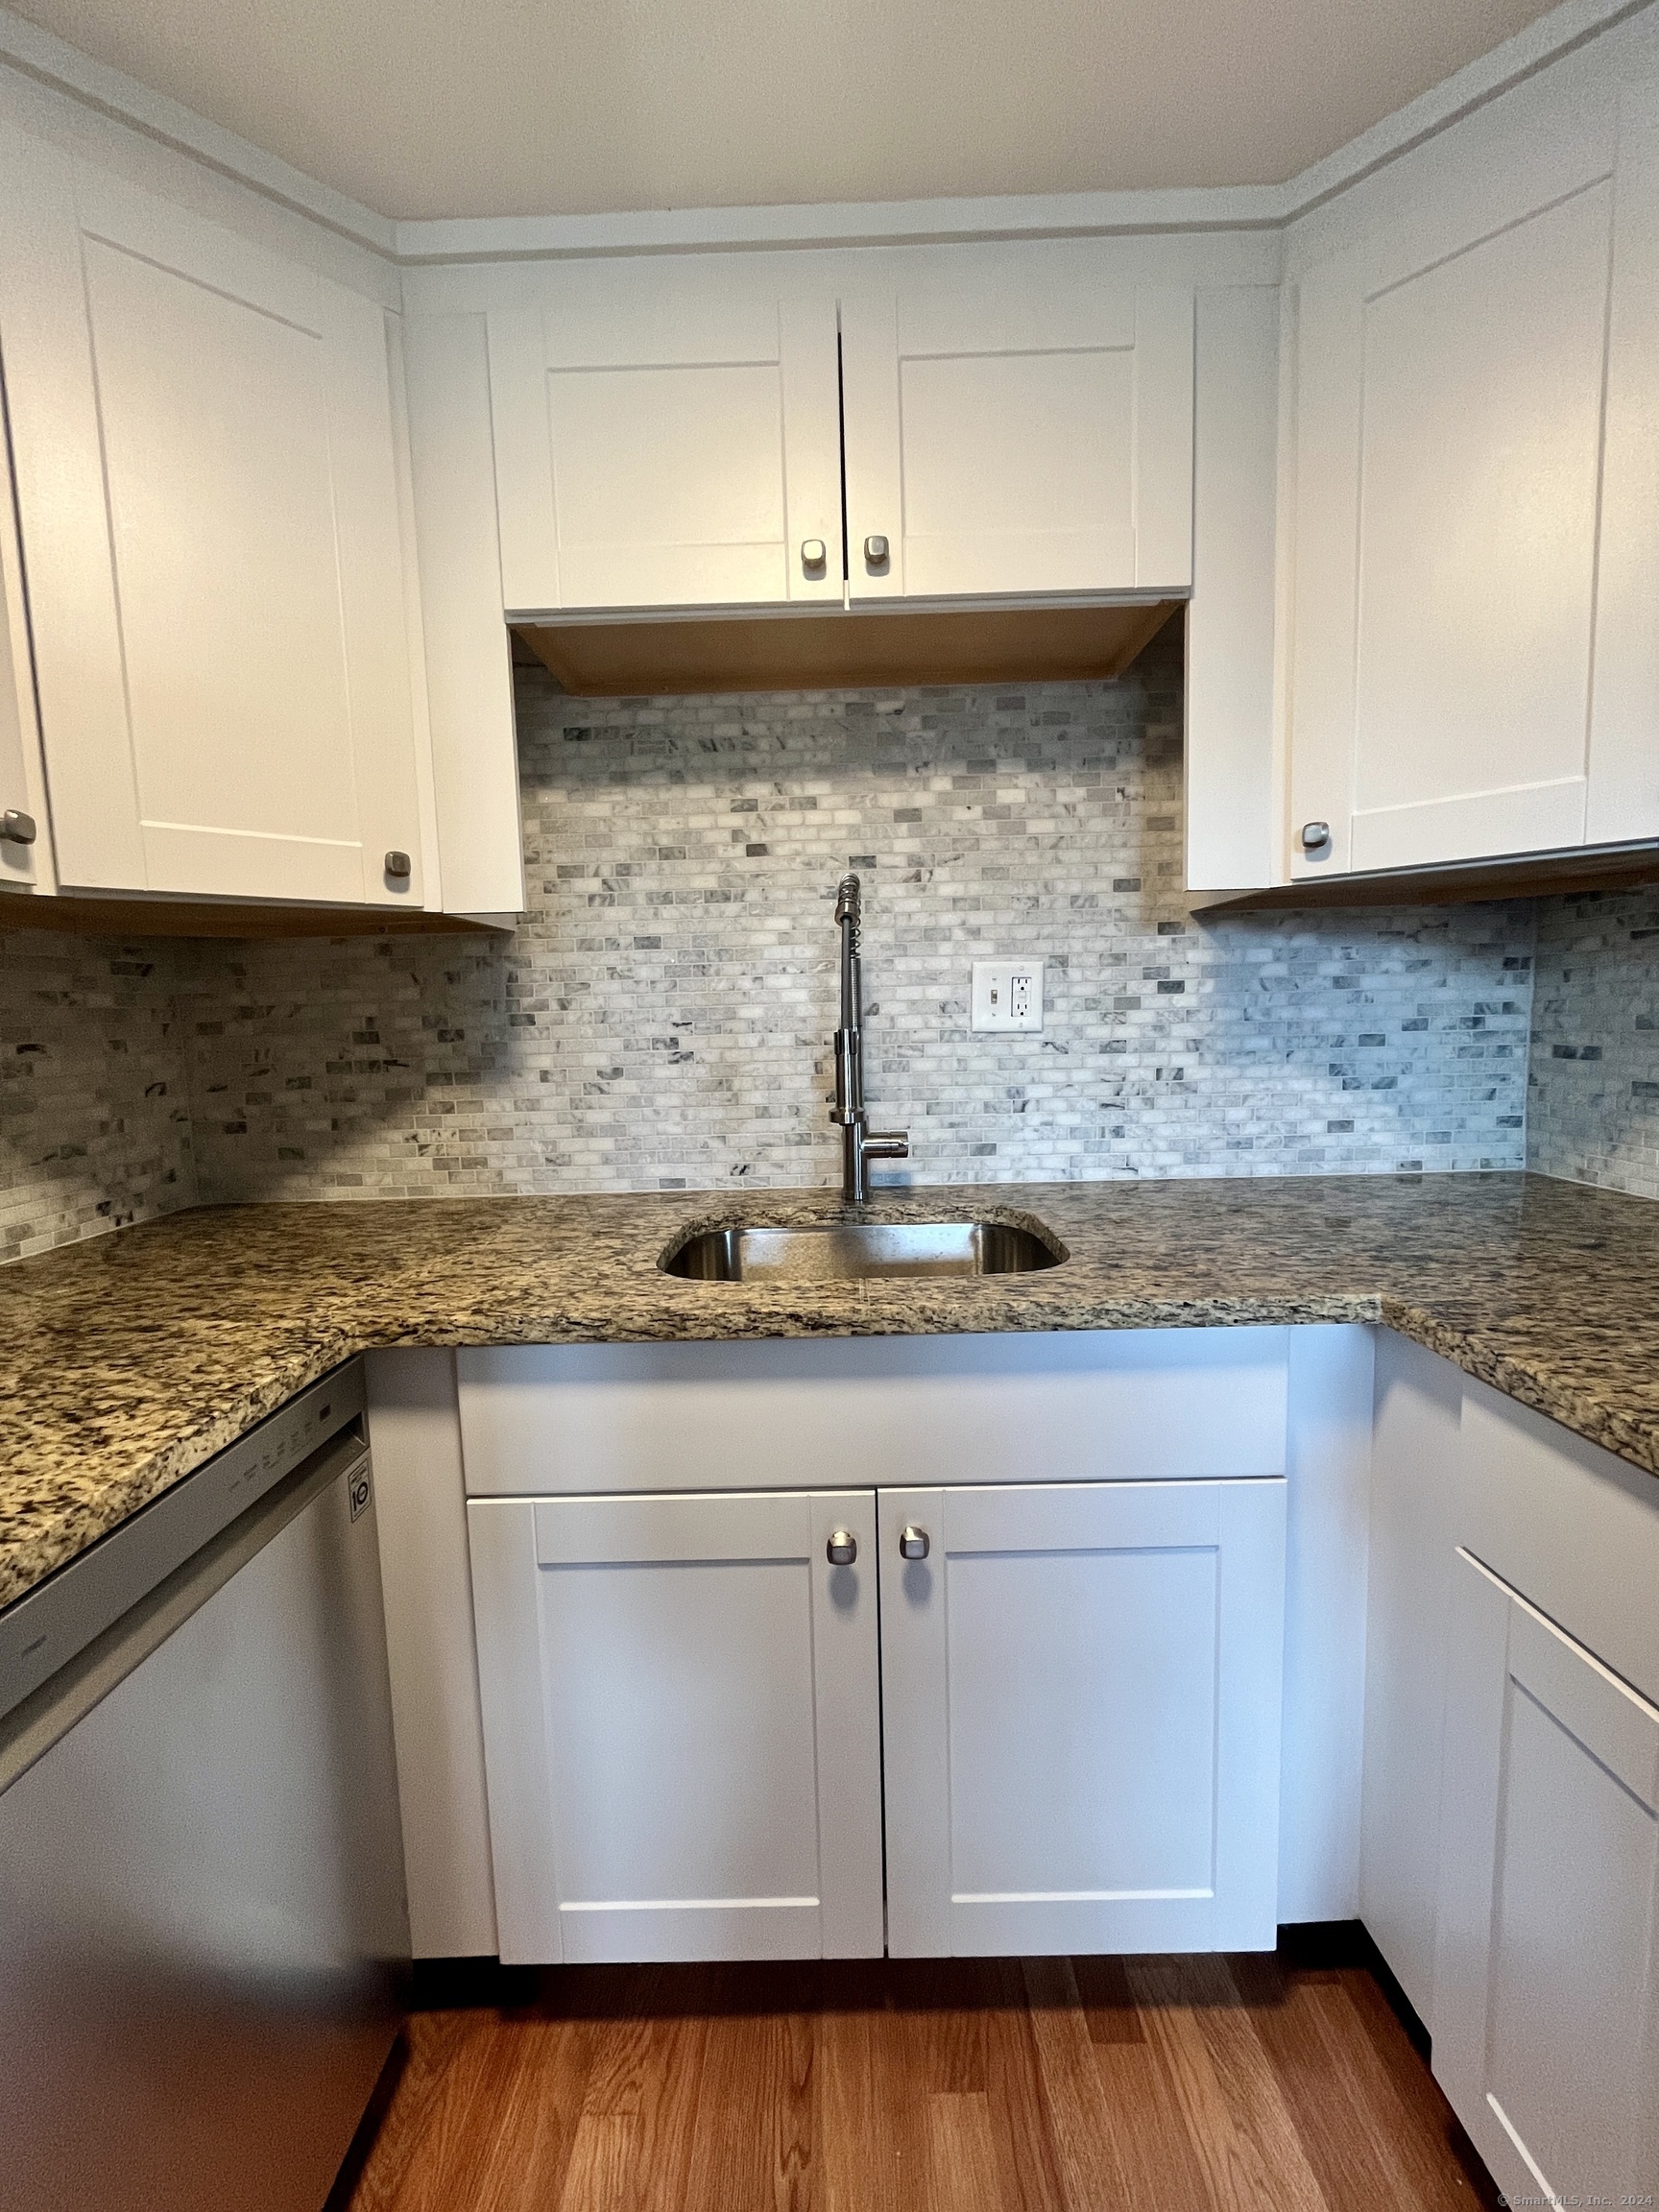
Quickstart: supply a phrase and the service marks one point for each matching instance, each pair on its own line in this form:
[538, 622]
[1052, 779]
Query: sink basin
[854, 1251]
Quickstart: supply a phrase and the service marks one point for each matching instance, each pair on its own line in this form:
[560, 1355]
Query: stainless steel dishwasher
[204, 1934]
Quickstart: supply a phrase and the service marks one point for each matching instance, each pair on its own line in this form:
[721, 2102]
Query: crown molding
[47, 60]
[1559, 32]
[838, 224]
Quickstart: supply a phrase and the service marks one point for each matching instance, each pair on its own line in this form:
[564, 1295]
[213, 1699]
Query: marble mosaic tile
[662, 1016]
[94, 1106]
[1593, 1093]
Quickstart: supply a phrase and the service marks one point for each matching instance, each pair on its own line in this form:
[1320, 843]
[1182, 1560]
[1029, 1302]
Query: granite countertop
[126, 1361]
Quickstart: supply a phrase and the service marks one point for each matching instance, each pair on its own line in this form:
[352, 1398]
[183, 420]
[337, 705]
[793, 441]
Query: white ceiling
[431, 108]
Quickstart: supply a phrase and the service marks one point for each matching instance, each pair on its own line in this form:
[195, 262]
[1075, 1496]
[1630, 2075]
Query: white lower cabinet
[1546, 1980]
[1081, 1697]
[682, 1725]
[684, 1697]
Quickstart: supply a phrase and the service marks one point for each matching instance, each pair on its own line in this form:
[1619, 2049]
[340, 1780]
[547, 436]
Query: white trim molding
[49, 61]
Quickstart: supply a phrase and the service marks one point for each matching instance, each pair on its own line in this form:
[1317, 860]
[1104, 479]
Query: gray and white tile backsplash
[662, 1016]
[95, 1124]
[1592, 1112]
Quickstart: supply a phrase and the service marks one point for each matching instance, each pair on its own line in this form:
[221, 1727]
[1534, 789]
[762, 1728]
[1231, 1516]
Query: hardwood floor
[1199, 2085]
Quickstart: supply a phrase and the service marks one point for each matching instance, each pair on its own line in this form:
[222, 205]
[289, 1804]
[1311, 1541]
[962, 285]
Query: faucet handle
[887, 1144]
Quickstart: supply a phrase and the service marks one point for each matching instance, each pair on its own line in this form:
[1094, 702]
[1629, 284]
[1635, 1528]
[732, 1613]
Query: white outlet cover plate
[1007, 995]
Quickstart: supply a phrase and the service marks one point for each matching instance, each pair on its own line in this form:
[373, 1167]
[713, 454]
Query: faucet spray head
[849, 906]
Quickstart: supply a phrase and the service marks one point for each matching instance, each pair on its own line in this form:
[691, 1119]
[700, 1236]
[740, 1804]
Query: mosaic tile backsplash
[1593, 1106]
[662, 1016]
[94, 1086]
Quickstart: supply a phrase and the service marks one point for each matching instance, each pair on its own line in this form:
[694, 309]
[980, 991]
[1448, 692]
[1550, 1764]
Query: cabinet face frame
[121, 705]
[1233, 1533]
[547, 1814]
[1418, 1445]
[1084, 1405]
[22, 778]
[1550, 1781]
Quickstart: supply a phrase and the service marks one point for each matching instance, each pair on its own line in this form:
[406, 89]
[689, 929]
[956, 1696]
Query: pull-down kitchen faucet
[859, 1144]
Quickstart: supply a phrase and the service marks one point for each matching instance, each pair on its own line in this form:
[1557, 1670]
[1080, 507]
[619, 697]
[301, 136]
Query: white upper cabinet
[1021, 436]
[672, 432]
[208, 490]
[666, 436]
[1475, 664]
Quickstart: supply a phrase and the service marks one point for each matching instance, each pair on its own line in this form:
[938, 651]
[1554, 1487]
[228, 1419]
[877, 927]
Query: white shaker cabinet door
[666, 437]
[1546, 1975]
[1018, 438]
[208, 490]
[680, 1725]
[1476, 649]
[1081, 1691]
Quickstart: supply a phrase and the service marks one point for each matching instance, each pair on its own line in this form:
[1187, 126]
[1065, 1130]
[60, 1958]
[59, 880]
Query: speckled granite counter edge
[1525, 1383]
[291, 1370]
[121, 1494]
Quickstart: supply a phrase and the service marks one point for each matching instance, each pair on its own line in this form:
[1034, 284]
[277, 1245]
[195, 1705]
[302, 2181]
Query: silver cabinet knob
[400, 866]
[842, 1547]
[1314, 836]
[813, 553]
[17, 827]
[876, 551]
[913, 1543]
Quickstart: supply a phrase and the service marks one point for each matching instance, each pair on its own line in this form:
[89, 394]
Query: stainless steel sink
[851, 1251]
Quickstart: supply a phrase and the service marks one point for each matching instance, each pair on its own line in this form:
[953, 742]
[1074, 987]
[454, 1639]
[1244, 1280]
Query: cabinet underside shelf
[1521, 875]
[819, 650]
[191, 918]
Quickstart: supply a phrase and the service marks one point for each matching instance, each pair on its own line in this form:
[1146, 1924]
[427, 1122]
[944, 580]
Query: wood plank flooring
[1199, 2085]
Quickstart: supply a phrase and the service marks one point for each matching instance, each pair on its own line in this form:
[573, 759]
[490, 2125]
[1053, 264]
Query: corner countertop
[126, 1361]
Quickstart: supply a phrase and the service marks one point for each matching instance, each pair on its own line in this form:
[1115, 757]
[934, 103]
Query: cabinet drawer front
[1087, 1407]
[1081, 1696]
[1577, 1529]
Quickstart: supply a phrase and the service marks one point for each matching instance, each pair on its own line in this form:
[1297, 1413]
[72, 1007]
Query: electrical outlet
[1007, 995]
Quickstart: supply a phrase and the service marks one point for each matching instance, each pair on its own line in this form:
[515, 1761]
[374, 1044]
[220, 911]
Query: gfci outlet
[1007, 995]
